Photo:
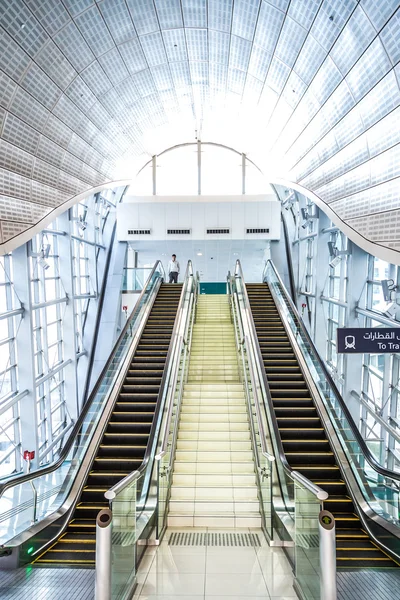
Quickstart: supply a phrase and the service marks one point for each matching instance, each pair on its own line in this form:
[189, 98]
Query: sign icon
[327, 520]
[349, 342]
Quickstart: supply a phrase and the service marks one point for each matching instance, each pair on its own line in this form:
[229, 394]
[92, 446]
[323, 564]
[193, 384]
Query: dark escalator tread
[304, 439]
[124, 442]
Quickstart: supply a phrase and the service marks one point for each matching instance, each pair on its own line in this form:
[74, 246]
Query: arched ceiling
[308, 88]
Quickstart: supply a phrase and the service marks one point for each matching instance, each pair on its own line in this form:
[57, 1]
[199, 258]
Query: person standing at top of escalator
[173, 269]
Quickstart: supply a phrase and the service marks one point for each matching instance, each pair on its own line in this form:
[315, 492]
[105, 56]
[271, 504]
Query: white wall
[199, 213]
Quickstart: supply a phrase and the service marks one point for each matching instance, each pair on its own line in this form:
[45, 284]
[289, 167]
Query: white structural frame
[48, 287]
[346, 295]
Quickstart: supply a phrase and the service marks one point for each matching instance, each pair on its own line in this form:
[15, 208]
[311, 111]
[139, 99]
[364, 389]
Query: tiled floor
[214, 573]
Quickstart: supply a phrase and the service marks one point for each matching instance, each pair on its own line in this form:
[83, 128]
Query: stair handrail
[292, 473]
[354, 429]
[23, 478]
[242, 345]
[170, 367]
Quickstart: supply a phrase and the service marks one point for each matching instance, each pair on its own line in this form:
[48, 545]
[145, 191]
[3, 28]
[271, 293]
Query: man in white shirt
[173, 269]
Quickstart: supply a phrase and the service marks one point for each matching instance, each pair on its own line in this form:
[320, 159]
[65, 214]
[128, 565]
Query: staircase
[303, 436]
[124, 442]
[214, 482]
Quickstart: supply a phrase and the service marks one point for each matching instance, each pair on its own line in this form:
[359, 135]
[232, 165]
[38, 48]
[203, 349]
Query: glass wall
[200, 168]
[341, 286]
[64, 268]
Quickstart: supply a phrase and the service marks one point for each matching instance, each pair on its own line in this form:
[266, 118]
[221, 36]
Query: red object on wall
[125, 308]
[29, 455]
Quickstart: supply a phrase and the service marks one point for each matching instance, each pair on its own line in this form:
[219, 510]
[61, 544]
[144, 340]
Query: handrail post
[327, 555]
[103, 555]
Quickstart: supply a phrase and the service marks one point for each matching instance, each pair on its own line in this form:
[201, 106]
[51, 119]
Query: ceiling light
[199, 254]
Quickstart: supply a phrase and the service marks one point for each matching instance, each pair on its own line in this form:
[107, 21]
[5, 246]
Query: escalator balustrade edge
[303, 436]
[123, 445]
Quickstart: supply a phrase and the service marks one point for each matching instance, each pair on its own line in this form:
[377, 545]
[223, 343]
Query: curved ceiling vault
[308, 88]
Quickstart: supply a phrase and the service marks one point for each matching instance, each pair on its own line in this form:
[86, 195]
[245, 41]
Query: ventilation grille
[218, 231]
[257, 230]
[178, 231]
[214, 539]
[139, 231]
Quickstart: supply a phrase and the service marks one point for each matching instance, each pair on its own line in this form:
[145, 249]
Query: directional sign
[369, 340]
[326, 520]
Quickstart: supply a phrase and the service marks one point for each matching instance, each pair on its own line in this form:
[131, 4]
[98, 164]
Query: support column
[243, 174]
[69, 324]
[199, 167]
[154, 174]
[352, 367]
[25, 354]
[320, 324]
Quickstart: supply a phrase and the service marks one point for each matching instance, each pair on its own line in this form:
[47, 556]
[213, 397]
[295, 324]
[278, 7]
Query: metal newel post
[103, 555]
[327, 555]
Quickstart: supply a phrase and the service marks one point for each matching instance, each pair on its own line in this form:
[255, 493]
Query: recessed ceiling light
[199, 254]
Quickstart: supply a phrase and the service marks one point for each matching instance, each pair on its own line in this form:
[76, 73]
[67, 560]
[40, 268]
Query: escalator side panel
[303, 436]
[123, 445]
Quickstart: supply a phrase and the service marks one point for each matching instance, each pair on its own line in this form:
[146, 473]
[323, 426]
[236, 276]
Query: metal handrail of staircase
[125, 491]
[250, 384]
[354, 429]
[326, 572]
[169, 371]
[292, 473]
[243, 346]
[26, 477]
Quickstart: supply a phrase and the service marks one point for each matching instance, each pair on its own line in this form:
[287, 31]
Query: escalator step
[310, 458]
[306, 445]
[108, 480]
[59, 556]
[79, 537]
[350, 534]
[300, 433]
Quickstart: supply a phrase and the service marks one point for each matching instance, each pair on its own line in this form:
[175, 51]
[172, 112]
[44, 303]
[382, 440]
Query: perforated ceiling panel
[308, 88]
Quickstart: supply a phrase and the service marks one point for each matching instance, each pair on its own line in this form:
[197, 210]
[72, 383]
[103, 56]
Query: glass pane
[221, 171]
[307, 508]
[177, 172]
[123, 569]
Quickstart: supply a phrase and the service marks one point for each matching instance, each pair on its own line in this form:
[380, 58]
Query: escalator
[305, 441]
[123, 445]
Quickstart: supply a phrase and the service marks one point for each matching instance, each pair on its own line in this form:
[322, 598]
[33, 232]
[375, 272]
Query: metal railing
[46, 491]
[292, 494]
[139, 498]
[355, 432]
[368, 481]
[262, 458]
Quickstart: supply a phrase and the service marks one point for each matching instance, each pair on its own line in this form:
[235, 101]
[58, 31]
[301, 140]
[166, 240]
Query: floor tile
[234, 561]
[230, 584]
[168, 562]
[280, 585]
[160, 584]
[237, 597]
[151, 597]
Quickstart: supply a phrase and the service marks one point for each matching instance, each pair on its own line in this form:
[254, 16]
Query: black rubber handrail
[154, 426]
[20, 479]
[292, 473]
[354, 429]
[288, 257]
